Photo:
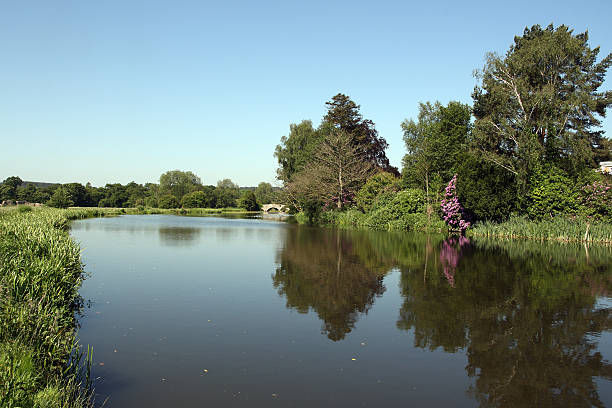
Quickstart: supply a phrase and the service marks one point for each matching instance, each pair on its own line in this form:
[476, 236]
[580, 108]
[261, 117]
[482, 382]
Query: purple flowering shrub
[347, 200]
[452, 211]
[596, 199]
[450, 253]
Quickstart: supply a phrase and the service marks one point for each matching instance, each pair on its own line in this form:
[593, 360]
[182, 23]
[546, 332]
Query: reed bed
[562, 229]
[40, 274]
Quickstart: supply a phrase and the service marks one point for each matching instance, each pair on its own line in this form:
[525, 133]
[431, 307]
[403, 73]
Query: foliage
[487, 191]
[343, 114]
[40, 273]
[320, 273]
[596, 199]
[434, 143]
[337, 170]
[395, 207]
[452, 210]
[60, 199]
[197, 199]
[540, 103]
[168, 201]
[248, 201]
[178, 183]
[375, 185]
[226, 193]
[296, 150]
[265, 193]
[560, 228]
[551, 194]
[8, 188]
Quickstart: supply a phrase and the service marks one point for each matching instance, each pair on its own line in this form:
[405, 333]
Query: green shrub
[60, 199]
[391, 208]
[486, 191]
[351, 218]
[151, 202]
[301, 217]
[196, 199]
[168, 201]
[551, 194]
[375, 185]
[248, 201]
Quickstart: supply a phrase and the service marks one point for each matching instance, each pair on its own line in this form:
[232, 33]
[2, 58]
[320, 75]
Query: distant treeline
[175, 189]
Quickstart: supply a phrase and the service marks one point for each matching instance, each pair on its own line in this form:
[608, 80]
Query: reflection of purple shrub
[450, 255]
[452, 211]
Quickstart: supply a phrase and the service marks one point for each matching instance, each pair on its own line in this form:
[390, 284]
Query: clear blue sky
[115, 91]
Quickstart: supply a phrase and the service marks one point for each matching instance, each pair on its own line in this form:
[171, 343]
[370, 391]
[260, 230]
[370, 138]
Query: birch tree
[541, 102]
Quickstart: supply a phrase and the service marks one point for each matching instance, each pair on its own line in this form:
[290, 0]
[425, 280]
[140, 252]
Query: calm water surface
[190, 312]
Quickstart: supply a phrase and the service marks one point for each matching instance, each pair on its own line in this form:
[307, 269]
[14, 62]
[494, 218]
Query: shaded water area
[217, 312]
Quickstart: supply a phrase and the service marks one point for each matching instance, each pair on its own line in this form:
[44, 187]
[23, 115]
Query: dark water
[190, 312]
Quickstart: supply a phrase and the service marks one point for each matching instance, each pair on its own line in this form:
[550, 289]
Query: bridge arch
[267, 207]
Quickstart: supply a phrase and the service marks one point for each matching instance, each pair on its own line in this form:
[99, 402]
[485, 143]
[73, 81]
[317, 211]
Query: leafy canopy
[541, 102]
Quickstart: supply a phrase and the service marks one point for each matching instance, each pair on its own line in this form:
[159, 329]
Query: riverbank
[103, 211]
[40, 275]
[385, 220]
[560, 228]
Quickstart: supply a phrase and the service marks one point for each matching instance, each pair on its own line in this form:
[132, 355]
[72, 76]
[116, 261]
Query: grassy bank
[98, 212]
[40, 274]
[381, 220]
[561, 228]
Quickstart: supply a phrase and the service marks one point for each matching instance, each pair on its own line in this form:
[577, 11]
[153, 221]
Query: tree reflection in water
[318, 270]
[525, 314]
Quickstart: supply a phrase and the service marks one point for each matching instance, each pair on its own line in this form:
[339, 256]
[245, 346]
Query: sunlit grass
[563, 229]
[40, 274]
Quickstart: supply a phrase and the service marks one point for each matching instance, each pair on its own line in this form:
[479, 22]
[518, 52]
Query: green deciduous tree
[78, 194]
[226, 193]
[248, 201]
[60, 198]
[167, 201]
[8, 189]
[178, 183]
[541, 102]
[296, 149]
[434, 144]
[197, 199]
[265, 193]
[551, 193]
[377, 184]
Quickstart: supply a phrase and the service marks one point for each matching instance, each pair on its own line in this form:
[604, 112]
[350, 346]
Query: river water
[215, 312]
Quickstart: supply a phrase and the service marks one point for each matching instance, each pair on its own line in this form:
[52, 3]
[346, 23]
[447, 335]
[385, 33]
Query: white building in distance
[605, 167]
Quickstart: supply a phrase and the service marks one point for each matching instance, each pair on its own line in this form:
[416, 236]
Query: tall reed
[40, 274]
[563, 229]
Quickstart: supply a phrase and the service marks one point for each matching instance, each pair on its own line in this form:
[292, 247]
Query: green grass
[40, 274]
[88, 212]
[562, 229]
[378, 220]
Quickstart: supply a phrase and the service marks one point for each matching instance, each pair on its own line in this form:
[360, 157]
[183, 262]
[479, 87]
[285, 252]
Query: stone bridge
[267, 207]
